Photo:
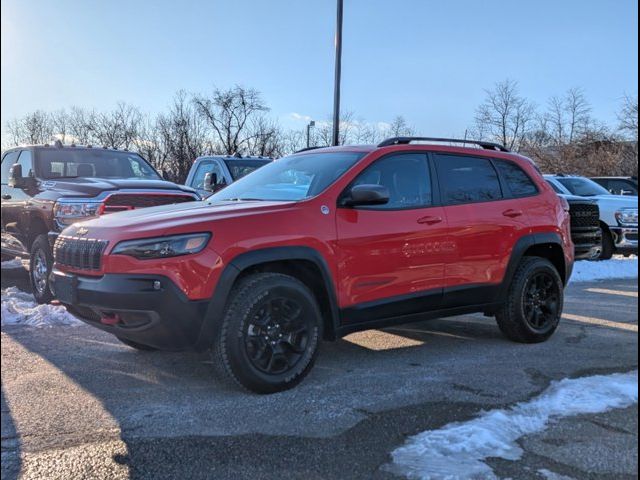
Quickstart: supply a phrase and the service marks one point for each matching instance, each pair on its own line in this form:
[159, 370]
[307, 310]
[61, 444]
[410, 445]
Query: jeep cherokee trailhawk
[323, 243]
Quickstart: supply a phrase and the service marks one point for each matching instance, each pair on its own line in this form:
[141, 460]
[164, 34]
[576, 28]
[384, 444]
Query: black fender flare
[242, 262]
[519, 250]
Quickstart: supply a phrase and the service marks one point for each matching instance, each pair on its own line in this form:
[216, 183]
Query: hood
[619, 201]
[162, 220]
[91, 187]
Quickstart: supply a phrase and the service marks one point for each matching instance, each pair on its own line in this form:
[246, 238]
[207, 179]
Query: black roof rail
[407, 140]
[308, 148]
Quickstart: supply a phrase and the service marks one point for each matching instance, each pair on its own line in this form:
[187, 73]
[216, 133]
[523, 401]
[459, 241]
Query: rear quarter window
[517, 180]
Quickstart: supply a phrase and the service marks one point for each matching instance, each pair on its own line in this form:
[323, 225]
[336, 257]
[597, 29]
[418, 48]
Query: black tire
[525, 317]
[136, 345]
[608, 247]
[270, 333]
[40, 264]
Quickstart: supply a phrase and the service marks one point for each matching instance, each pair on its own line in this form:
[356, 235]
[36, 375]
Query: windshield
[291, 178]
[583, 187]
[240, 168]
[87, 163]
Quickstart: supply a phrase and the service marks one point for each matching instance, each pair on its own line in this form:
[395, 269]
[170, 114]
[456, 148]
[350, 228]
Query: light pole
[336, 92]
[311, 124]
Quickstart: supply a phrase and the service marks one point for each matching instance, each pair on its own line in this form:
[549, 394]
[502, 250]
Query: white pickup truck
[618, 213]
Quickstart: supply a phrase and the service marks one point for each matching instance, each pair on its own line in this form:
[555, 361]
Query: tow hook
[110, 319]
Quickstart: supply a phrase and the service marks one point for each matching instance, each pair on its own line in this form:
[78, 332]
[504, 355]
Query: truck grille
[584, 215]
[119, 202]
[79, 253]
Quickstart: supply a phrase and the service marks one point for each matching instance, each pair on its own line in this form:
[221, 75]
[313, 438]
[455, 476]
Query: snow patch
[618, 267]
[458, 450]
[13, 264]
[20, 308]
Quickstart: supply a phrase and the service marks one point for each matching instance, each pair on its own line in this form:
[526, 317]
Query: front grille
[584, 215]
[79, 253]
[632, 236]
[120, 201]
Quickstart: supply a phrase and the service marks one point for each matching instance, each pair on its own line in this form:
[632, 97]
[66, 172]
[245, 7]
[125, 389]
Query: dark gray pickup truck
[45, 188]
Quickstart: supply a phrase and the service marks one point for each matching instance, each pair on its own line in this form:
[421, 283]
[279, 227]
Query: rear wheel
[40, 265]
[534, 304]
[270, 333]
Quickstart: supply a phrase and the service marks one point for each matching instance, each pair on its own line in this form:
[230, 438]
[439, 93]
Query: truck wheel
[136, 345]
[270, 333]
[534, 304]
[40, 265]
[608, 247]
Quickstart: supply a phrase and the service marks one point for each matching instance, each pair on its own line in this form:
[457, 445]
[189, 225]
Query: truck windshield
[583, 187]
[89, 163]
[291, 178]
[240, 168]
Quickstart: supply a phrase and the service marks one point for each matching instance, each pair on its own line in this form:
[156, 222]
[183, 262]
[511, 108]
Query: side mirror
[16, 180]
[366, 195]
[209, 182]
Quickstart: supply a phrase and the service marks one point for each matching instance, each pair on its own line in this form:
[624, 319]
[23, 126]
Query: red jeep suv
[323, 243]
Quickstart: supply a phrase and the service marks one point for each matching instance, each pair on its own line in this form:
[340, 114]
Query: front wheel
[608, 245]
[533, 308]
[40, 265]
[270, 333]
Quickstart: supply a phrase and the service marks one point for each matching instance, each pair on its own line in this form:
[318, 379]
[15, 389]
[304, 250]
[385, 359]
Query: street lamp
[336, 93]
[311, 124]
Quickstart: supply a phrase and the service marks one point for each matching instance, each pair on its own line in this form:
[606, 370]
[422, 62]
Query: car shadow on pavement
[157, 395]
[10, 443]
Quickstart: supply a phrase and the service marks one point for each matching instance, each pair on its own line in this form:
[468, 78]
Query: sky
[430, 61]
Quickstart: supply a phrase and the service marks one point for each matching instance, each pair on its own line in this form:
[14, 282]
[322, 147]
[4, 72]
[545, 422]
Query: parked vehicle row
[618, 214]
[323, 243]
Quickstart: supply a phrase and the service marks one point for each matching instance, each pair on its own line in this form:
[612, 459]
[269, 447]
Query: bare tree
[400, 128]
[118, 128]
[33, 128]
[182, 137]
[82, 125]
[265, 138]
[628, 117]
[505, 116]
[228, 113]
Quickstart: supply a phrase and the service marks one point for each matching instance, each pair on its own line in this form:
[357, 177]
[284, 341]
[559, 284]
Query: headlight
[627, 217]
[67, 213]
[163, 247]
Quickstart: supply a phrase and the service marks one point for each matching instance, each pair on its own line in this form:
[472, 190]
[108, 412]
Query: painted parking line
[601, 322]
[622, 293]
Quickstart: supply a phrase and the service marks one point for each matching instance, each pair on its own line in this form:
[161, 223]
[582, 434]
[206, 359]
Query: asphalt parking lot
[78, 404]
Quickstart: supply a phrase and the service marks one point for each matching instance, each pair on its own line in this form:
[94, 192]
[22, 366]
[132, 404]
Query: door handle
[6, 196]
[512, 213]
[429, 220]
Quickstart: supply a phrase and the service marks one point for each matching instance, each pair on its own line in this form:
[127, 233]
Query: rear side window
[467, 180]
[8, 161]
[407, 178]
[518, 182]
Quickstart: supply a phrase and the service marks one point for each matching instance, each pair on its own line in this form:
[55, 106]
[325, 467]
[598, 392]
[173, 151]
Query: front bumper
[626, 239]
[134, 307]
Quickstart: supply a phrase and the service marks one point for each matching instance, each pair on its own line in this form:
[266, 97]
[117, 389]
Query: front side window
[583, 187]
[204, 168]
[26, 161]
[467, 180]
[291, 178]
[80, 162]
[518, 182]
[8, 161]
[407, 178]
[622, 187]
